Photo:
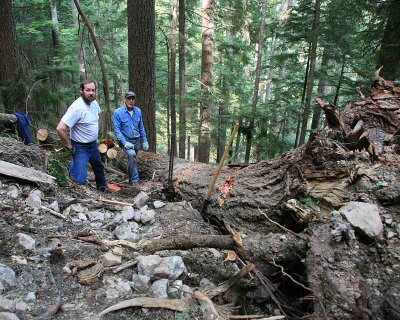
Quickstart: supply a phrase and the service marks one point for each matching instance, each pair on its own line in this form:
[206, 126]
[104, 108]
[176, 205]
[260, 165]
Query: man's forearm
[64, 138]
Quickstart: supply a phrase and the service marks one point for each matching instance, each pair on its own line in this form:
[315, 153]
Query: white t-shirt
[83, 120]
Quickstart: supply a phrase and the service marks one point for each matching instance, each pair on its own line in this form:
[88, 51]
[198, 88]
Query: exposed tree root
[171, 304]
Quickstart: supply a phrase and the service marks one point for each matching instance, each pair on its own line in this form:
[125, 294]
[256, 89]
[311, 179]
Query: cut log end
[42, 135]
[103, 148]
[112, 153]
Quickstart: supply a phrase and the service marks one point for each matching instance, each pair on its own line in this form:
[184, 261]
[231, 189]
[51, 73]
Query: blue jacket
[127, 127]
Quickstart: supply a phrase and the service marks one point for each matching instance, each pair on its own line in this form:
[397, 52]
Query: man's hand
[71, 150]
[145, 145]
[129, 145]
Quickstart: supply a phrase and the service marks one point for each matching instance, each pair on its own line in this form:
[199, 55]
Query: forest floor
[316, 232]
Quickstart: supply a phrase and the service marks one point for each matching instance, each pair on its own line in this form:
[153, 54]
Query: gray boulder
[364, 218]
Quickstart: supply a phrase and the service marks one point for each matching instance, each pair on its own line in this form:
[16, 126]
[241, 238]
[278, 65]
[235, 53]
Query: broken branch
[172, 304]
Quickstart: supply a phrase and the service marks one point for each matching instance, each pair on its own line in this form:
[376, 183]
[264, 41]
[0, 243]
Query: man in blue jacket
[128, 128]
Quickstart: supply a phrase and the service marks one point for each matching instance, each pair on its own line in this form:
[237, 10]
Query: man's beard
[88, 99]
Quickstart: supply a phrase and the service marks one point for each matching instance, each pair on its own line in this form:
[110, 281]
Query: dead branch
[200, 296]
[282, 227]
[171, 304]
[229, 283]
[125, 265]
[53, 212]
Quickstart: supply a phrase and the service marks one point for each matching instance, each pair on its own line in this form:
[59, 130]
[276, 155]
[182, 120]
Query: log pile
[108, 149]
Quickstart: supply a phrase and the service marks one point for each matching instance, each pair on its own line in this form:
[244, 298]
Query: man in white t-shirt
[78, 131]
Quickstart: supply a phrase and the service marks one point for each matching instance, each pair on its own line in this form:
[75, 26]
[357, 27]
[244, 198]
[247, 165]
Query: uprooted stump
[354, 159]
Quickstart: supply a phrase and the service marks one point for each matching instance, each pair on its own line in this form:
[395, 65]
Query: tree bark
[310, 79]
[389, 54]
[99, 50]
[182, 80]
[141, 61]
[172, 75]
[303, 96]
[8, 43]
[250, 131]
[322, 89]
[206, 80]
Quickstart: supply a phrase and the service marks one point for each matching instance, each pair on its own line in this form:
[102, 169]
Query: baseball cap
[130, 94]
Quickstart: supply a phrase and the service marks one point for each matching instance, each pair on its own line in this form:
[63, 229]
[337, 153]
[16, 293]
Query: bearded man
[78, 131]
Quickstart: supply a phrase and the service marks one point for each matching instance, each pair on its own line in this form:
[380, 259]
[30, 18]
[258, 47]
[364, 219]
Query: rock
[156, 267]
[13, 192]
[140, 283]
[34, 199]
[141, 199]
[8, 316]
[26, 241]
[74, 209]
[12, 305]
[186, 292]
[206, 284]
[82, 216]
[127, 213]
[125, 232]
[95, 216]
[30, 297]
[7, 276]
[387, 219]
[158, 204]
[19, 260]
[148, 216]
[175, 265]
[144, 208]
[137, 216]
[174, 289]
[390, 234]
[7, 305]
[364, 217]
[159, 289]
[54, 206]
[147, 265]
[110, 259]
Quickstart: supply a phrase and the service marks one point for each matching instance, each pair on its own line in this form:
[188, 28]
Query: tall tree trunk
[80, 52]
[188, 148]
[55, 31]
[8, 51]
[303, 97]
[99, 50]
[250, 131]
[322, 89]
[141, 61]
[310, 80]
[172, 75]
[182, 79]
[206, 80]
[8, 43]
[389, 54]
[238, 139]
[222, 118]
[339, 82]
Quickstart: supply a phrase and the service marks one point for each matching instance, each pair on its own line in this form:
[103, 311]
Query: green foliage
[47, 81]
[309, 202]
[56, 166]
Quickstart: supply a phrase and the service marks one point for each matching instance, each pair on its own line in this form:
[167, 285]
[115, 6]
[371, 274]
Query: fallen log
[44, 136]
[29, 174]
[260, 248]
[6, 118]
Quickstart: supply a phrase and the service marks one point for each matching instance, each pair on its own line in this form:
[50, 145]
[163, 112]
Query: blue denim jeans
[132, 160]
[84, 153]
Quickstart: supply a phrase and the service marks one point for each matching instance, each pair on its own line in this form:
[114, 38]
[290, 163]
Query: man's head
[88, 91]
[130, 98]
